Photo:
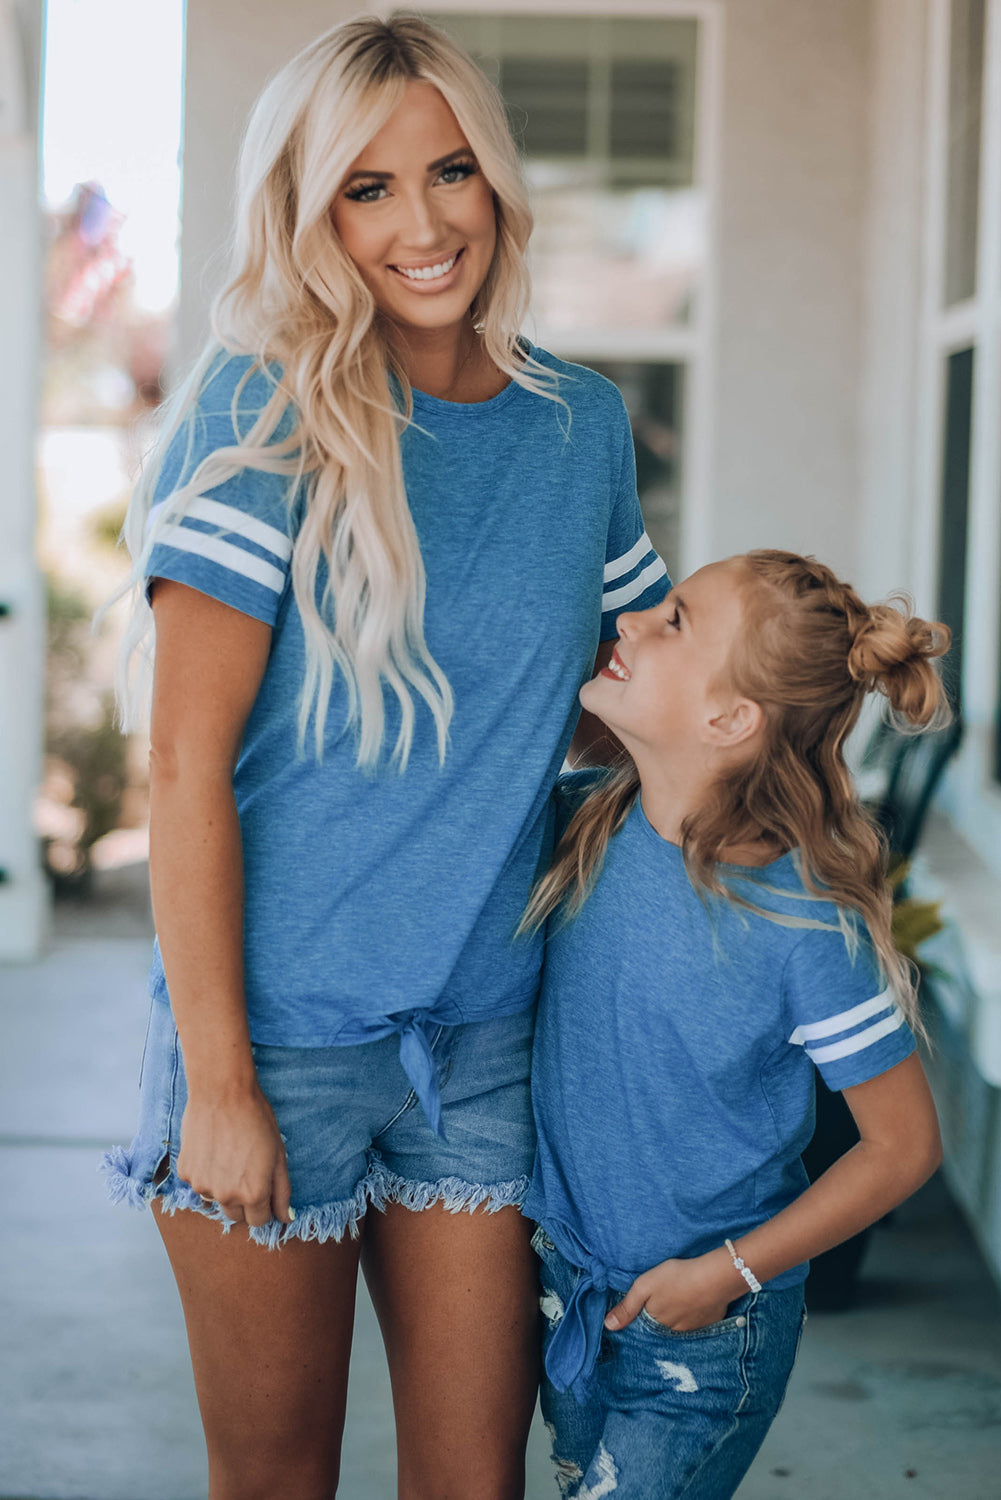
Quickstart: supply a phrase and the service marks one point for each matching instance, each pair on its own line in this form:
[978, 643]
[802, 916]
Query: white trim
[675, 344]
[928, 424]
[843, 1022]
[628, 560]
[215, 550]
[615, 598]
[983, 572]
[229, 519]
[859, 1042]
[682, 9]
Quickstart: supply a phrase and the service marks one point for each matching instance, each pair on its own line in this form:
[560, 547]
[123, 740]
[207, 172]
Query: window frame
[972, 791]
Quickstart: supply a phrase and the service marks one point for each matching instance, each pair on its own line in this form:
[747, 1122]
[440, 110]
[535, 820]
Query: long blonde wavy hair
[295, 302]
[809, 652]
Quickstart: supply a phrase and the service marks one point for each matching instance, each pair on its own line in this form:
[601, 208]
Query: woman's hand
[682, 1294]
[232, 1152]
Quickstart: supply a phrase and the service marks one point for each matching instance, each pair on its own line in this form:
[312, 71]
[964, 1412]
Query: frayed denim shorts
[355, 1134]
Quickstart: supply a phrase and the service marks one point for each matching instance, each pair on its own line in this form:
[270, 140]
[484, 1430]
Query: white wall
[232, 47]
[23, 903]
[791, 216]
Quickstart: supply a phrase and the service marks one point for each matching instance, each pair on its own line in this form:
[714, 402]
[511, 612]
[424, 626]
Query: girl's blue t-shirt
[375, 897]
[675, 1048]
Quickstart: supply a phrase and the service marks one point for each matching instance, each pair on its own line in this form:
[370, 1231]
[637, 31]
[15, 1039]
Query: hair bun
[892, 651]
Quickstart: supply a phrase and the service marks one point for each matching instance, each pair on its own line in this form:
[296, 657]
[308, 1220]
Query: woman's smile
[432, 274]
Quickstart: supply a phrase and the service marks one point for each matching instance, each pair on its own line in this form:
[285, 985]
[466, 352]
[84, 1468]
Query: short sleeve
[635, 576]
[234, 541]
[841, 1011]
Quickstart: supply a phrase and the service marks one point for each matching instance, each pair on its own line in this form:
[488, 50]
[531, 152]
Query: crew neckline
[425, 402]
[751, 870]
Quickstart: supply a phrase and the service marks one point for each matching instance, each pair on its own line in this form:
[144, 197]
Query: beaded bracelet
[744, 1270]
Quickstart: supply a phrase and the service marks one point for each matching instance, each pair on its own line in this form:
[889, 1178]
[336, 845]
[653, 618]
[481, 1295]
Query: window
[605, 110]
[954, 511]
[966, 71]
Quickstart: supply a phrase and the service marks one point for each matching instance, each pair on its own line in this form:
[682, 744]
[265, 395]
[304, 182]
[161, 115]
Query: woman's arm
[209, 663]
[899, 1149]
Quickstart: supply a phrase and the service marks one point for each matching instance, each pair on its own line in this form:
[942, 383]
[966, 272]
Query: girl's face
[417, 216]
[667, 684]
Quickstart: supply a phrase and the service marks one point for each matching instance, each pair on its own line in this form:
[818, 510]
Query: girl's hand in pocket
[682, 1295]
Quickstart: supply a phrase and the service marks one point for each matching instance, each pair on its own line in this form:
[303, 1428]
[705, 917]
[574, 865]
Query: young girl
[722, 927]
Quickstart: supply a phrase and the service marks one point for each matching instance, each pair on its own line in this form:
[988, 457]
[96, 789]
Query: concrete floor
[898, 1398]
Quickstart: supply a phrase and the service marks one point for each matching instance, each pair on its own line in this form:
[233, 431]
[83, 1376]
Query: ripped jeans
[669, 1416]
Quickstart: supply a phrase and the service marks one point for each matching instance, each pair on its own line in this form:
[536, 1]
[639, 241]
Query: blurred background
[776, 225]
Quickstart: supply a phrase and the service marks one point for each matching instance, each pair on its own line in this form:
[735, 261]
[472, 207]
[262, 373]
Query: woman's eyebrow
[432, 166]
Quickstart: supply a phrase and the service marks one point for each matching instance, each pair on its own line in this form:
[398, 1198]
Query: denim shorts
[355, 1135]
[669, 1416]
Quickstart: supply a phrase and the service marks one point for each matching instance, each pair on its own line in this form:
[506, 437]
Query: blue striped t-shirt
[374, 898]
[675, 1047]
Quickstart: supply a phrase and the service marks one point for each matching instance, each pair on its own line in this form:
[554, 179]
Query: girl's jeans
[669, 1416]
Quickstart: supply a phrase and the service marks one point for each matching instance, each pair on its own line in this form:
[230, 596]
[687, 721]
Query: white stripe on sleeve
[228, 518]
[628, 560]
[613, 598]
[844, 1022]
[227, 556]
[859, 1041]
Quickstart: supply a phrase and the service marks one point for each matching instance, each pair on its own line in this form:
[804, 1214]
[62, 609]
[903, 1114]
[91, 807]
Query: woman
[383, 534]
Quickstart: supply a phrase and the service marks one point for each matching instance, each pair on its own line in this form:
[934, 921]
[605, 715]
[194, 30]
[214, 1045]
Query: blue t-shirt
[377, 901]
[675, 1046]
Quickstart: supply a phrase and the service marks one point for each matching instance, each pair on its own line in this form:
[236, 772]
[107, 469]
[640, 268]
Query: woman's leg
[457, 1299]
[270, 1338]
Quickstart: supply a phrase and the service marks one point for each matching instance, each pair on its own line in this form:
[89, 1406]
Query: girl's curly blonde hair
[808, 654]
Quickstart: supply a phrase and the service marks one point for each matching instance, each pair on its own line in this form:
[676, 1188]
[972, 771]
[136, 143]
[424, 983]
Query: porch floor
[900, 1397]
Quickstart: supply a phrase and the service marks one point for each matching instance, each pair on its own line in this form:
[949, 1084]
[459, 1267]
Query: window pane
[547, 104]
[953, 522]
[654, 397]
[966, 71]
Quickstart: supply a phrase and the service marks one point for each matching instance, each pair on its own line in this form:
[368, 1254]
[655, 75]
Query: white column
[23, 902]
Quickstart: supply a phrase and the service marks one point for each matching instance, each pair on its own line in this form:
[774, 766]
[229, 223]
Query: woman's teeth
[428, 273]
[617, 669]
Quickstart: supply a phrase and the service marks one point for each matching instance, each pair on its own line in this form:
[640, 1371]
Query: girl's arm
[899, 1149]
[209, 663]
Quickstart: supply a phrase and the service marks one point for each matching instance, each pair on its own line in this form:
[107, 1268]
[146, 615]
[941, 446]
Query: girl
[730, 931]
[378, 540]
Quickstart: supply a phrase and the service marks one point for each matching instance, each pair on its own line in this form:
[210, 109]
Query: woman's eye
[675, 621]
[457, 171]
[365, 192]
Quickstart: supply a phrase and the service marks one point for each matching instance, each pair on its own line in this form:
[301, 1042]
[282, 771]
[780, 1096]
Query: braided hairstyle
[808, 654]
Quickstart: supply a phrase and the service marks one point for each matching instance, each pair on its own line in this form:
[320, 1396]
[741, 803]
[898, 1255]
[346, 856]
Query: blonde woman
[382, 541]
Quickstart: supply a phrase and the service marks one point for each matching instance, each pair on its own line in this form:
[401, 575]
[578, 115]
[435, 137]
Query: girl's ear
[735, 724]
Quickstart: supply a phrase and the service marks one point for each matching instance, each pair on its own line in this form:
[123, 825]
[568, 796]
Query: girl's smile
[616, 668]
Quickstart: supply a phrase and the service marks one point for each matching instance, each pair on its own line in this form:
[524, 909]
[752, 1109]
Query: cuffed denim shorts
[355, 1135]
[669, 1416]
